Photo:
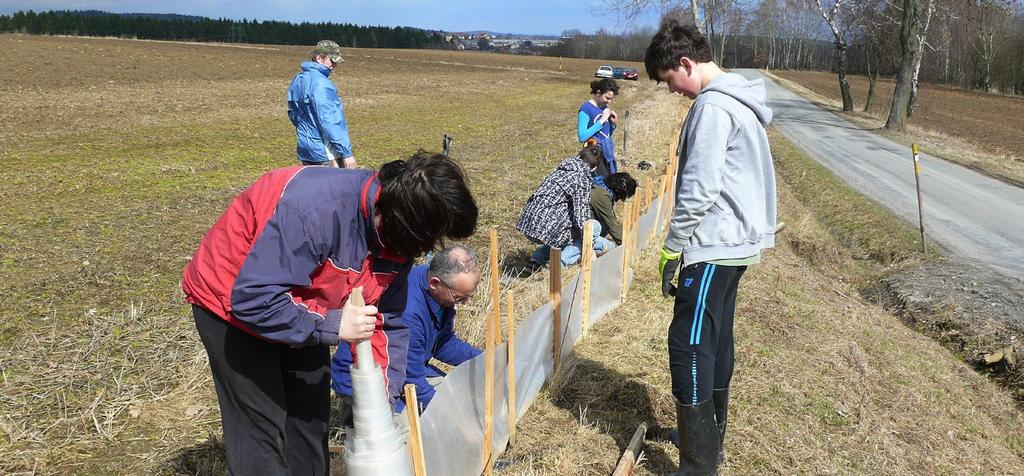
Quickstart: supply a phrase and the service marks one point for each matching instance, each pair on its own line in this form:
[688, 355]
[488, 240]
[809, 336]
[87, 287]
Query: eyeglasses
[456, 300]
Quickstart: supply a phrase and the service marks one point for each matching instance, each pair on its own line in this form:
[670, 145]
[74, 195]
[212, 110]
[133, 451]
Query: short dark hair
[673, 41]
[591, 155]
[423, 200]
[621, 184]
[601, 86]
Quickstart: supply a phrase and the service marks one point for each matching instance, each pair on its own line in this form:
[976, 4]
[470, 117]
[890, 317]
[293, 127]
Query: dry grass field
[973, 128]
[118, 155]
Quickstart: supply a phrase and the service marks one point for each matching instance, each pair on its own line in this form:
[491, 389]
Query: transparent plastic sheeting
[452, 426]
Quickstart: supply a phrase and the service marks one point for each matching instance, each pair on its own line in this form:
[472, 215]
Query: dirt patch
[974, 312]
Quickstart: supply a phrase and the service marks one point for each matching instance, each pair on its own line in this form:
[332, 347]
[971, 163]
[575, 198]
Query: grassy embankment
[826, 381]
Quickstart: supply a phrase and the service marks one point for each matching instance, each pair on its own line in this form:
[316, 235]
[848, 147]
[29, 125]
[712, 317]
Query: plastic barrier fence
[452, 427]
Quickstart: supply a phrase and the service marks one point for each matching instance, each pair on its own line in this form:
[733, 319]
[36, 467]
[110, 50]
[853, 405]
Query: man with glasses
[317, 113]
[434, 290]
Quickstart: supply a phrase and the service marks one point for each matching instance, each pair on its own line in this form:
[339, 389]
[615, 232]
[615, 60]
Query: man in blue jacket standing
[434, 290]
[316, 111]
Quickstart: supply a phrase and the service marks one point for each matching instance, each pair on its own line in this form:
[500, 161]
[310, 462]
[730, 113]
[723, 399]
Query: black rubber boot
[700, 440]
[721, 400]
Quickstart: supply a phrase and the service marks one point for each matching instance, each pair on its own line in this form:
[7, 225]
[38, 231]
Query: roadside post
[920, 206]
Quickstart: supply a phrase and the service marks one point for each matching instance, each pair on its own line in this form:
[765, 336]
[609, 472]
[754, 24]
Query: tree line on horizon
[189, 28]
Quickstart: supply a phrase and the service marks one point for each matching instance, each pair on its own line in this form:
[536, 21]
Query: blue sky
[515, 16]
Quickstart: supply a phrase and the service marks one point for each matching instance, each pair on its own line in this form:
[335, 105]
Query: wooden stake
[587, 261]
[489, 392]
[627, 223]
[555, 278]
[634, 240]
[510, 313]
[495, 286]
[649, 188]
[412, 407]
[628, 459]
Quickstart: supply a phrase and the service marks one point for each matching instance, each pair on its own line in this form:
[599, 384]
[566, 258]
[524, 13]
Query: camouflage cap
[329, 49]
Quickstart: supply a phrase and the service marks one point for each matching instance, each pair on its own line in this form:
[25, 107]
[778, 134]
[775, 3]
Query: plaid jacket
[555, 213]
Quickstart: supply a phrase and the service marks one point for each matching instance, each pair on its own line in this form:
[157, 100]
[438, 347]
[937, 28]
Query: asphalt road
[973, 215]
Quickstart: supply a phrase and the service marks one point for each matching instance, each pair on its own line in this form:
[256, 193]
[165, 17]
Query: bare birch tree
[831, 14]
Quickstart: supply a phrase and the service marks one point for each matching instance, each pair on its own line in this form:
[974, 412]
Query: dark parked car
[619, 72]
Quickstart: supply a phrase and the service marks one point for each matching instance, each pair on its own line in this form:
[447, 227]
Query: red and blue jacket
[281, 261]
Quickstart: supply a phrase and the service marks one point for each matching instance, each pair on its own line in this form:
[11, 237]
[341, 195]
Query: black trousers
[700, 339]
[274, 400]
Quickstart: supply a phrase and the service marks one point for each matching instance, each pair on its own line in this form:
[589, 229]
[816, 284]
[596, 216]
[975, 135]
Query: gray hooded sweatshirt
[725, 192]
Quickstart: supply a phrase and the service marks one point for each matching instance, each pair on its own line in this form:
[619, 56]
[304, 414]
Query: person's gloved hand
[668, 264]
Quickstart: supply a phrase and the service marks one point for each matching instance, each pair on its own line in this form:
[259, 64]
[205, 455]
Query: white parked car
[604, 71]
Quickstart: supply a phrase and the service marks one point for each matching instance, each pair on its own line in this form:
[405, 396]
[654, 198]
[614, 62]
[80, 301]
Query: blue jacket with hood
[318, 116]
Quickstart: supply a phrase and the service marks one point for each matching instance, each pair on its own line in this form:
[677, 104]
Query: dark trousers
[274, 400]
[700, 339]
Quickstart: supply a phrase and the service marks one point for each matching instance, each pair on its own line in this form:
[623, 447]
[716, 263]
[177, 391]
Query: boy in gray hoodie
[724, 216]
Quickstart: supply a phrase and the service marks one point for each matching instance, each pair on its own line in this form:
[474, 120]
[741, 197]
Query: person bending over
[554, 216]
[269, 288]
[605, 192]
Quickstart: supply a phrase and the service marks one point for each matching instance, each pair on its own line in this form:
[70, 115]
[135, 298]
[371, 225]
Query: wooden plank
[489, 380]
[586, 263]
[419, 465]
[495, 286]
[555, 278]
[628, 459]
[648, 198]
[510, 312]
[634, 240]
[627, 215]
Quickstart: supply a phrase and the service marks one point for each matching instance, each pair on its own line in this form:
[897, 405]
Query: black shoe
[700, 440]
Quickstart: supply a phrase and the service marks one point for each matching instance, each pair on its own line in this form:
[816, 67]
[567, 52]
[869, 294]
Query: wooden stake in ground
[489, 362]
[510, 313]
[661, 202]
[586, 261]
[628, 459]
[920, 205]
[495, 286]
[634, 241]
[649, 188]
[412, 407]
[627, 214]
[555, 278]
